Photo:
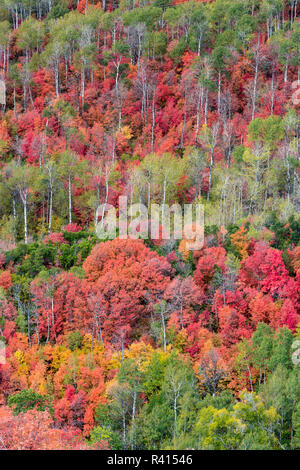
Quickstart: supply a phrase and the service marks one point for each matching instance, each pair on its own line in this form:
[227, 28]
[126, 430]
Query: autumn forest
[144, 344]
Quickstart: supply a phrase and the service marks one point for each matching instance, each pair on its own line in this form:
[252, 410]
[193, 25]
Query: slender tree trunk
[124, 431]
[82, 88]
[198, 114]
[219, 91]
[206, 106]
[199, 44]
[133, 419]
[210, 172]
[25, 219]
[50, 208]
[272, 93]
[163, 324]
[52, 316]
[70, 199]
[254, 90]
[286, 72]
[153, 122]
[56, 74]
[184, 123]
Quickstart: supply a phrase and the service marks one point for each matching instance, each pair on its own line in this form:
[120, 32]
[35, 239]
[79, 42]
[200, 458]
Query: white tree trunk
[70, 200]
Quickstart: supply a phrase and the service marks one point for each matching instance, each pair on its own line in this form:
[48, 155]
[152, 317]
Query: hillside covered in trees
[143, 344]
